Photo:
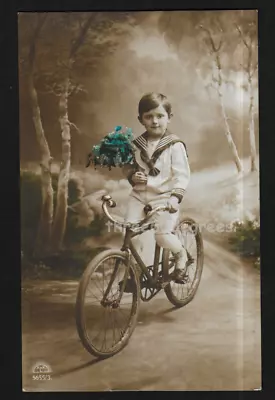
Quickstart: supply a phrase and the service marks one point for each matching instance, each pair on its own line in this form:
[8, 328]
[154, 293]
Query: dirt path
[211, 344]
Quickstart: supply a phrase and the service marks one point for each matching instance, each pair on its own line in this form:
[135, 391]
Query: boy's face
[155, 121]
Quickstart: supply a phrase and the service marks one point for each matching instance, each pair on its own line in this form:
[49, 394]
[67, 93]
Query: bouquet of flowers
[114, 150]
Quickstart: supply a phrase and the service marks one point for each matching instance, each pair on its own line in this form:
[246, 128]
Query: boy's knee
[162, 238]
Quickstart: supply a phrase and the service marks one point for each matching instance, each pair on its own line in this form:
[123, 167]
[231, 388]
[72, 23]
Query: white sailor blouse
[167, 170]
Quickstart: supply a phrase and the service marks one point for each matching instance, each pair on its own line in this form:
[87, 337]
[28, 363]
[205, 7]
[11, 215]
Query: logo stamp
[41, 371]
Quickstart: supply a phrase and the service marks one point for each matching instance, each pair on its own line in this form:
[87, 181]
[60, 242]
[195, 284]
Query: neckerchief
[166, 141]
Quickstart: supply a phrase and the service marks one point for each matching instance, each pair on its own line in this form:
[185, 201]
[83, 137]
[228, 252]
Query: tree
[247, 29]
[72, 44]
[46, 216]
[217, 82]
[59, 224]
[210, 31]
[93, 35]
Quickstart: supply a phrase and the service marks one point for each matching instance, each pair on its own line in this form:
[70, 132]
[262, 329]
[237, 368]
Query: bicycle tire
[80, 304]
[199, 267]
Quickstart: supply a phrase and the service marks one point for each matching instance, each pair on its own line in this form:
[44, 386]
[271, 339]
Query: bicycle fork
[115, 303]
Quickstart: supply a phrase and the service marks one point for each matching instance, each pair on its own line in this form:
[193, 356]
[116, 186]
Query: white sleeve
[180, 170]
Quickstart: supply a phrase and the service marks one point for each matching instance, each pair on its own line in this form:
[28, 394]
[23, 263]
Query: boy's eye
[152, 116]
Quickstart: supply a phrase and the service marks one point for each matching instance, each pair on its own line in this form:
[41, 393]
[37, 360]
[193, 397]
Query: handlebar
[108, 201]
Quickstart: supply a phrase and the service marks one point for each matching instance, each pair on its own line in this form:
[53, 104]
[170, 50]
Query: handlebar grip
[112, 203]
[106, 198]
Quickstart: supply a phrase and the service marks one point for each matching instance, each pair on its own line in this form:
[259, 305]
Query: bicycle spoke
[94, 301]
[104, 340]
[107, 312]
[101, 291]
[123, 319]
[178, 290]
[192, 244]
[95, 337]
[114, 330]
[120, 330]
[96, 297]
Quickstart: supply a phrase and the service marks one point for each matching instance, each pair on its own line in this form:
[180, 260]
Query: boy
[159, 176]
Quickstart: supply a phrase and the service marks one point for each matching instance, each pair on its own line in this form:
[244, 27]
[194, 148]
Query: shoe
[179, 276]
[181, 261]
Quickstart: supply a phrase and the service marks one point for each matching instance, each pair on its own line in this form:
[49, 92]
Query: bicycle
[117, 283]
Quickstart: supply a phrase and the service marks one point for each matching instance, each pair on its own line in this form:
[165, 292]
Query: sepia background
[80, 75]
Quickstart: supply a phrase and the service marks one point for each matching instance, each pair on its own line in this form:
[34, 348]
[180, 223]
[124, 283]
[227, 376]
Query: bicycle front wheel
[180, 294]
[105, 314]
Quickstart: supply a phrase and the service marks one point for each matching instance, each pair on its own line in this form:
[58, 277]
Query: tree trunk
[252, 129]
[46, 217]
[229, 135]
[60, 217]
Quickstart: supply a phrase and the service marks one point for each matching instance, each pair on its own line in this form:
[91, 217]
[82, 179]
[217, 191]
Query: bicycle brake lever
[147, 208]
[108, 199]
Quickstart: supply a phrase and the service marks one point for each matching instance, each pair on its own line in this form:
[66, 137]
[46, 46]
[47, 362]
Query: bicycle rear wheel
[104, 323]
[180, 294]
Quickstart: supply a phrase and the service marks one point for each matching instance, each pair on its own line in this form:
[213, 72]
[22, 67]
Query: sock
[169, 241]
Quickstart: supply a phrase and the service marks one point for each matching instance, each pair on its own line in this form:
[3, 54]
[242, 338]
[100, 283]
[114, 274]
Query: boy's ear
[140, 120]
[169, 119]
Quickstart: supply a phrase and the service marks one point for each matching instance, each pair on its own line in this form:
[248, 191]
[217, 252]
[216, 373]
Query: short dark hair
[152, 100]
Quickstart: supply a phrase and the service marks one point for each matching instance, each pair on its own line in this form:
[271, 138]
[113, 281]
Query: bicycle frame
[129, 248]
[128, 245]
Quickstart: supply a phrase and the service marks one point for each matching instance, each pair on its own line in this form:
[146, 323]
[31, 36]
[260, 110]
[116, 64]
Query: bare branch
[229, 82]
[242, 35]
[210, 86]
[81, 89]
[80, 26]
[249, 48]
[220, 45]
[254, 69]
[76, 89]
[232, 119]
[249, 61]
[52, 89]
[215, 50]
[78, 42]
[35, 36]
[75, 127]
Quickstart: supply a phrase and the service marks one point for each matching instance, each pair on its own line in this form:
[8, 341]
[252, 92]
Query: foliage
[221, 25]
[245, 239]
[69, 264]
[30, 213]
[69, 43]
[114, 150]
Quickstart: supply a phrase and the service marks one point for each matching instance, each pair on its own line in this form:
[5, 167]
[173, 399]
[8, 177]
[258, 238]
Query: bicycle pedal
[164, 284]
[182, 281]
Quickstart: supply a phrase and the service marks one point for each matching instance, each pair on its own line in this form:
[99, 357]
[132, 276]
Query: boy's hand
[139, 177]
[173, 204]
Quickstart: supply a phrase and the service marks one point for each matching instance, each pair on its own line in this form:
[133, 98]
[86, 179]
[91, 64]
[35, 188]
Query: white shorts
[165, 222]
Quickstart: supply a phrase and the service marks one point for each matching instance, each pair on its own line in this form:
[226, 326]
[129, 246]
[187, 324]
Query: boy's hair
[152, 100]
